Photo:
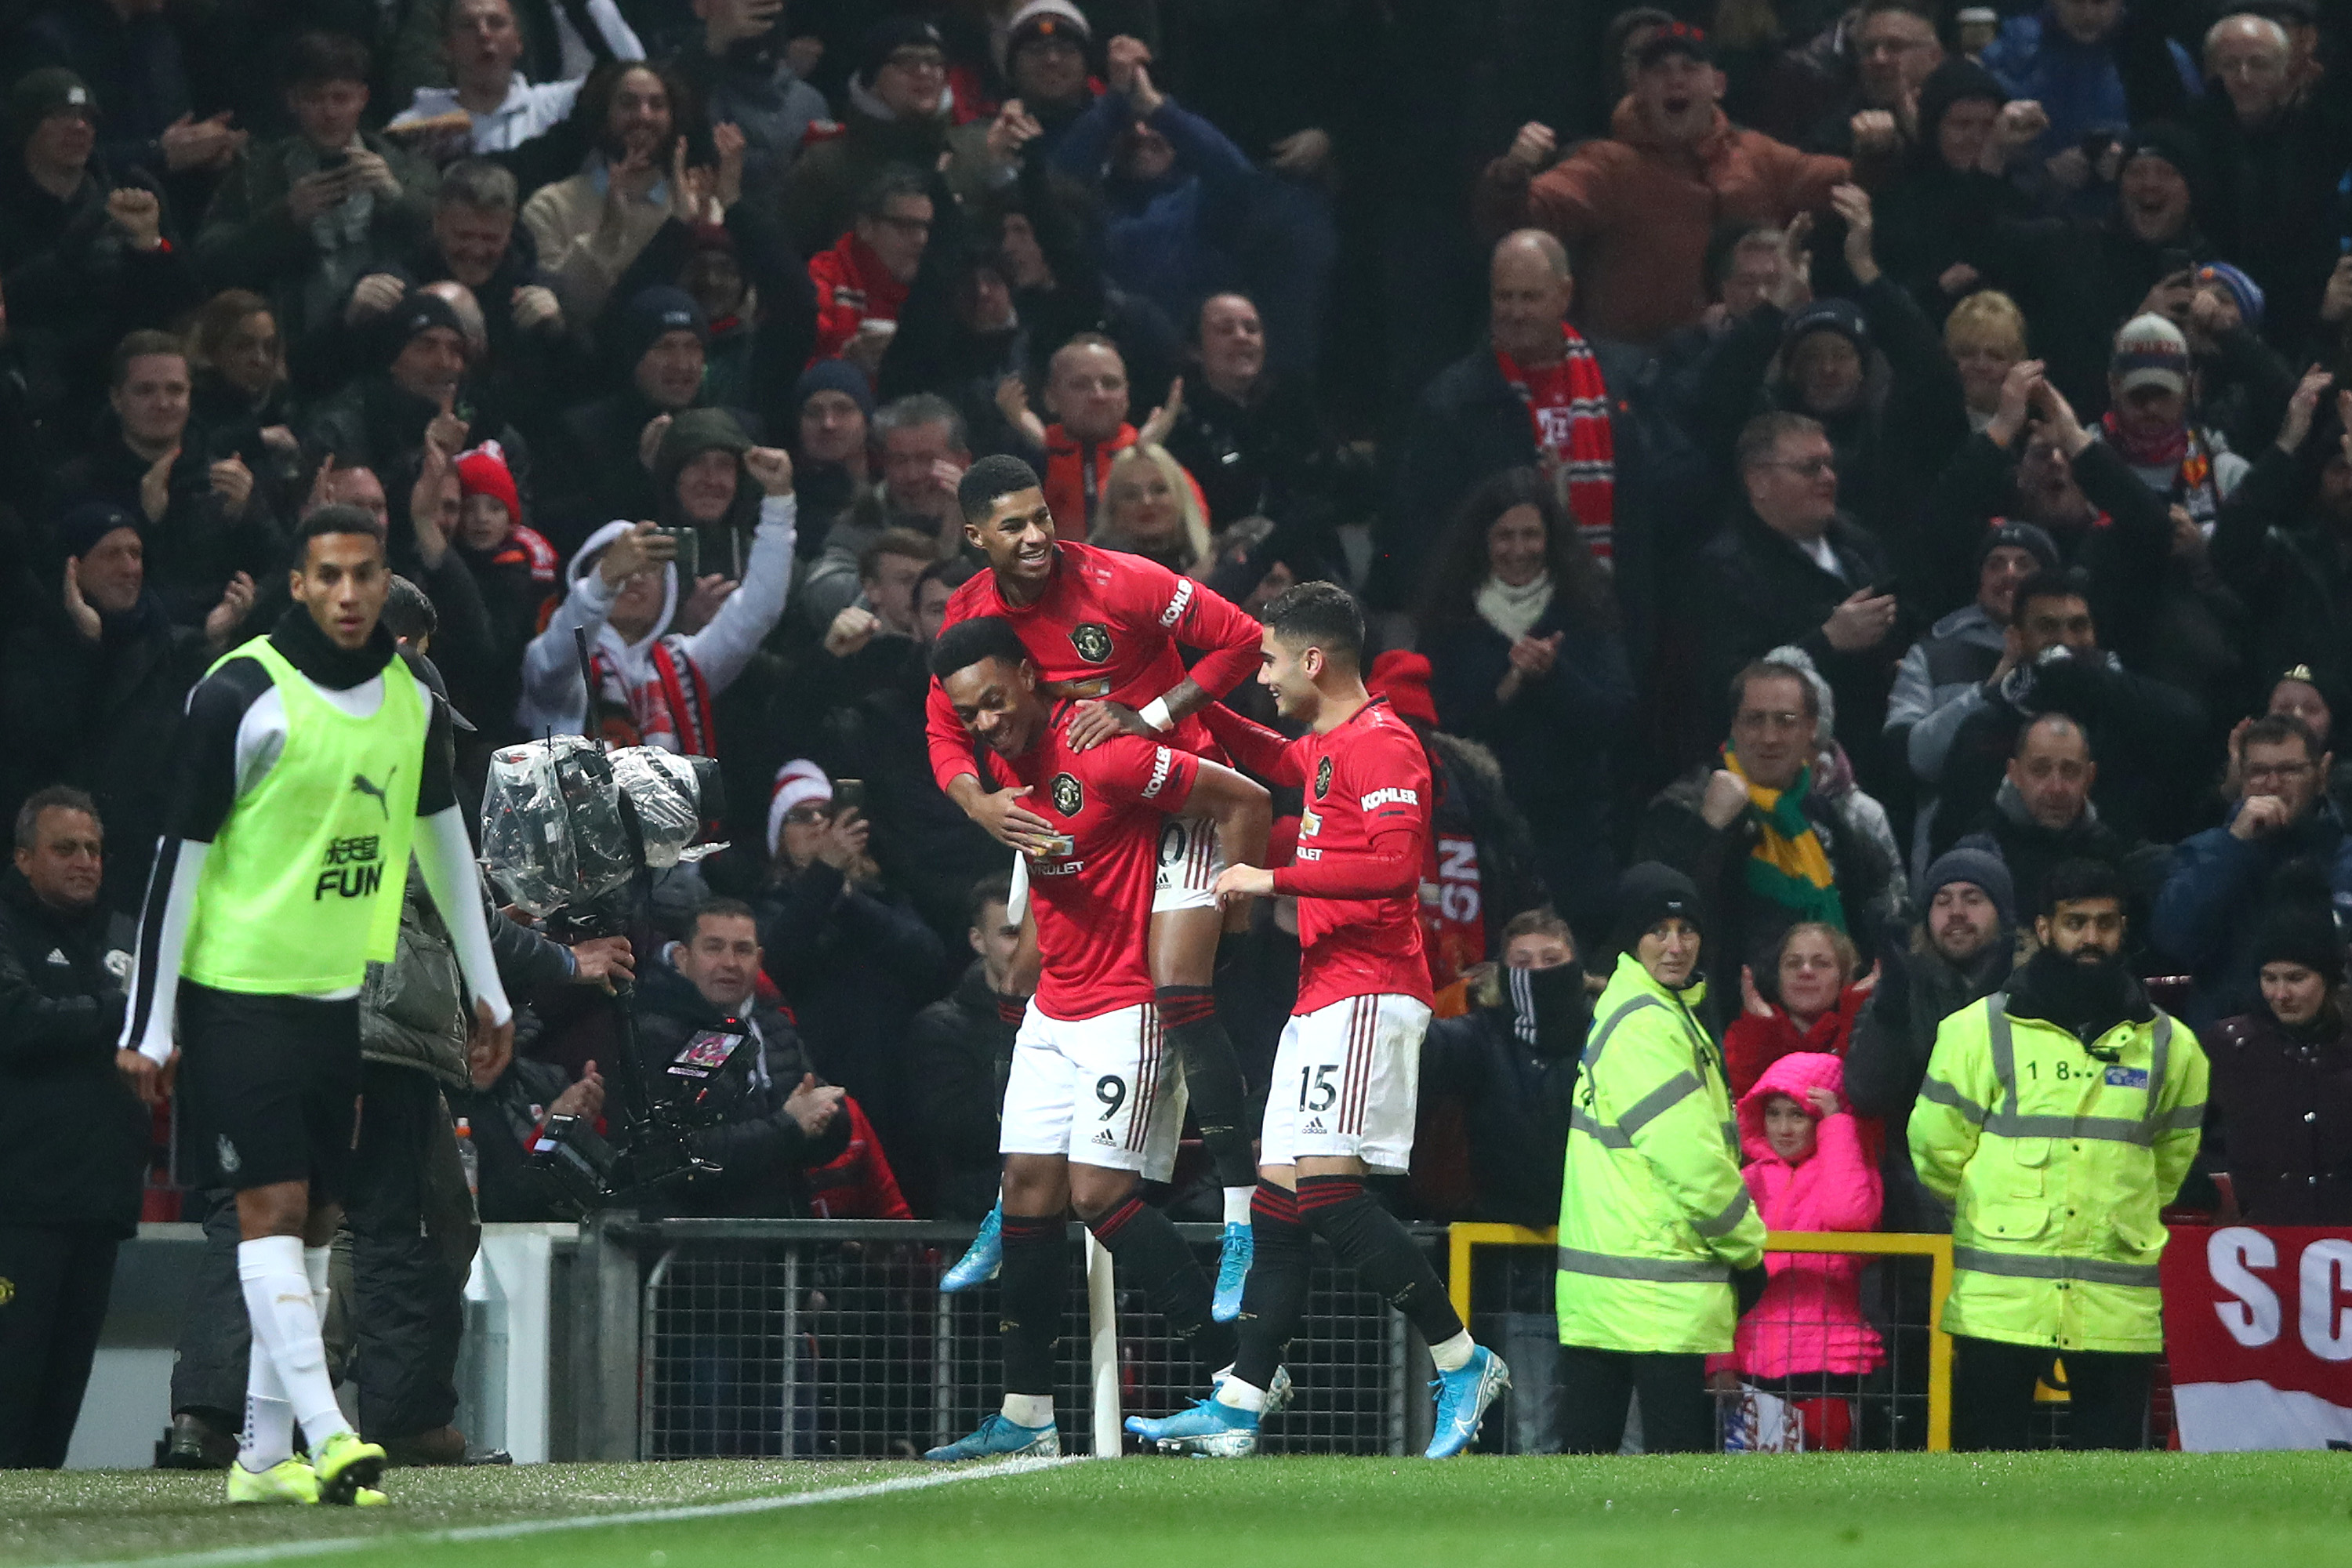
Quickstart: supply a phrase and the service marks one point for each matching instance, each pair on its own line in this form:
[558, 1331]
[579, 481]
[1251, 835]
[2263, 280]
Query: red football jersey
[1093, 898]
[1362, 779]
[1114, 621]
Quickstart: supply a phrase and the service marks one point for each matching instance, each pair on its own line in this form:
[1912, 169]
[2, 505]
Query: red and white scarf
[669, 708]
[1568, 404]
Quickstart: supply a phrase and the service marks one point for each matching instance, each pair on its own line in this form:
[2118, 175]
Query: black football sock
[1156, 1260]
[1368, 1238]
[1212, 1079]
[1274, 1299]
[1029, 1298]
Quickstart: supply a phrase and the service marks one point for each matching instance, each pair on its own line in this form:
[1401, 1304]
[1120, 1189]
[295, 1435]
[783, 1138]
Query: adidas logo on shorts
[1314, 1124]
[1105, 1140]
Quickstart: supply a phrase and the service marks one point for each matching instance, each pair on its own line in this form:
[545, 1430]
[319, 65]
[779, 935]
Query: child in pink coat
[1807, 1338]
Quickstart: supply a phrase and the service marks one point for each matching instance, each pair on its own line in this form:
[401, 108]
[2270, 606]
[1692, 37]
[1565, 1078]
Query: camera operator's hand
[584, 1099]
[489, 1047]
[844, 844]
[814, 1107]
[601, 960]
[149, 1082]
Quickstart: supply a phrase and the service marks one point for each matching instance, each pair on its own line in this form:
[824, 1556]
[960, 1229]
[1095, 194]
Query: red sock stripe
[1012, 1009]
[1031, 1230]
[1316, 1193]
[1182, 1004]
[1274, 1205]
[1111, 1224]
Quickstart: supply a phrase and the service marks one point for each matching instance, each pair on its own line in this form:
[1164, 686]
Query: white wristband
[1156, 714]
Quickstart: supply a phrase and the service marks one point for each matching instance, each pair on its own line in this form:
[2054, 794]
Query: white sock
[277, 1301]
[1455, 1353]
[315, 1263]
[1029, 1409]
[1237, 1205]
[1242, 1395]
[269, 1436]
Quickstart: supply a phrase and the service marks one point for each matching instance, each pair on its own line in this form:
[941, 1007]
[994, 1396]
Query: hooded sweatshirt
[658, 689]
[1809, 1319]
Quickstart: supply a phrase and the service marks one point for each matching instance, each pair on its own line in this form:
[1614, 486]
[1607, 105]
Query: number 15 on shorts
[1315, 1089]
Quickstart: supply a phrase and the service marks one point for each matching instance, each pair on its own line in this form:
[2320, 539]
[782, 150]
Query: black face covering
[2085, 999]
[1550, 1010]
[314, 653]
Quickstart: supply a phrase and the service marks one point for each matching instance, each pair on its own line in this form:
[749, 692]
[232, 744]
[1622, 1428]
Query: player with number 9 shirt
[1089, 1103]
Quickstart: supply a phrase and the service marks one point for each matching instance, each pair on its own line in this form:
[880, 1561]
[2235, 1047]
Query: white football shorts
[1106, 1091]
[1189, 859]
[1347, 1083]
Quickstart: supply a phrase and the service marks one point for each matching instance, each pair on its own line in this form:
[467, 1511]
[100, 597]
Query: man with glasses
[1895, 47]
[1765, 846]
[2206, 918]
[897, 115]
[861, 283]
[1792, 569]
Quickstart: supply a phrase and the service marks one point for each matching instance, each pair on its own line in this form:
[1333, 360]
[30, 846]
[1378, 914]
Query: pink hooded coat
[1810, 1319]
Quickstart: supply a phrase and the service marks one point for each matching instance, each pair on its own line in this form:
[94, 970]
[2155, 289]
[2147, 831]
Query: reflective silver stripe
[2004, 1052]
[1659, 1271]
[1658, 1102]
[2020, 1266]
[1600, 1040]
[2183, 1119]
[2159, 1058]
[1581, 1121]
[2083, 1128]
[1728, 1220]
[1943, 1093]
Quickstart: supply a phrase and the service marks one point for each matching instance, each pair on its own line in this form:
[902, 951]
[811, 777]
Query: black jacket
[959, 1050]
[759, 1149]
[2298, 571]
[73, 1138]
[1886, 1056]
[1756, 590]
[197, 546]
[1513, 1065]
[2281, 1119]
[101, 717]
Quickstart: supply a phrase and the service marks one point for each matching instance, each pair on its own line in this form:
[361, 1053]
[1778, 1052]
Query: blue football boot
[983, 1259]
[999, 1438]
[1462, 1400]
[1232, 1271]
[1207, 1431]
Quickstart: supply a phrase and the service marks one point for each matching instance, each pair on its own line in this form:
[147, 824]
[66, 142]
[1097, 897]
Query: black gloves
[1748, 1284]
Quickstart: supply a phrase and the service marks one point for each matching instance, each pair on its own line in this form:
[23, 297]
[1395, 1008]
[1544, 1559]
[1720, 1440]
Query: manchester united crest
[1069, 799]
[1092, 639]
[1322, 778]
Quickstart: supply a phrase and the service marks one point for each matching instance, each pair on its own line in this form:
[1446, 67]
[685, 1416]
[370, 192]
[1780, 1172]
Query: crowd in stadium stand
[1869, 459]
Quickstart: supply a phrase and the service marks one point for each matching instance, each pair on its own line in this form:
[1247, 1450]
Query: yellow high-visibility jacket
[2058, 1157]
[1654, 1215]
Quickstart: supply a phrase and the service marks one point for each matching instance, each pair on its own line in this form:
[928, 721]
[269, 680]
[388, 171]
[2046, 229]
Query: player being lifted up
[1102, 628]
[1346, 1076]
[310, 764]
[1090, 1101]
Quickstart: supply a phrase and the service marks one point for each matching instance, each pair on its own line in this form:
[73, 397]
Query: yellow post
[1462, 1238]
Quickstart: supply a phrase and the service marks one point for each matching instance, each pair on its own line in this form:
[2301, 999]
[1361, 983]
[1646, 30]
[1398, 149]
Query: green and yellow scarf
[1789, 865]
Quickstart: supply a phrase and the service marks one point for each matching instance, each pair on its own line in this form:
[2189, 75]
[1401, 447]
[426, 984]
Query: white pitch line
[279, 1552]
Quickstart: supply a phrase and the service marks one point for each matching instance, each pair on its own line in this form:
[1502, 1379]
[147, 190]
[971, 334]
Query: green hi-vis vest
[302, 886]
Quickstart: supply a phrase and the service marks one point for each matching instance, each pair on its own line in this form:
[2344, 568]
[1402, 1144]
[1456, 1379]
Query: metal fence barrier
[830, 1339]
[1501, 1278]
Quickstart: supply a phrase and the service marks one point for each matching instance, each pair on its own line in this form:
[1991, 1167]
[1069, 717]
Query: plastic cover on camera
[553, 830]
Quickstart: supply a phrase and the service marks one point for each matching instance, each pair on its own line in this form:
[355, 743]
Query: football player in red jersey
[1102, 628]
[1346, 1077]
[1088, 1105]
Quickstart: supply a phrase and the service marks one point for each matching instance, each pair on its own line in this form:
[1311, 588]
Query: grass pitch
[1916, 1510]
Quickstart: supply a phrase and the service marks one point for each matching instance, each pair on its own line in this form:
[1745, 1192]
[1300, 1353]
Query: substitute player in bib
[1103, 628]
[311, 762]
[1090, 1101]
[1346, 1077]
